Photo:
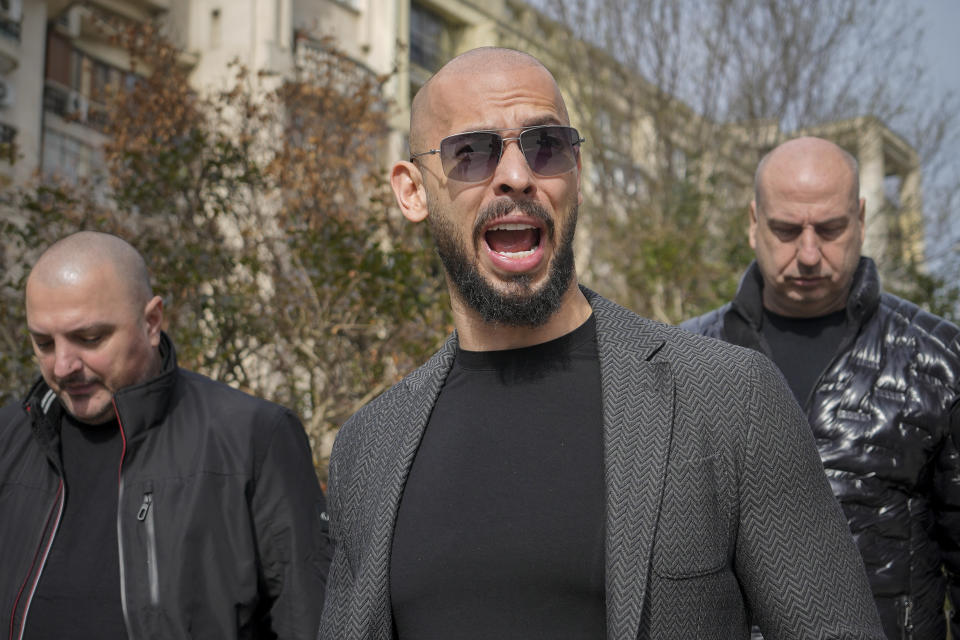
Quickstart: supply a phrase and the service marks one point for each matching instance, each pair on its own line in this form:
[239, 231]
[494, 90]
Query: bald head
[76, 257]
[94, 323]
[806, 160]
[807, 227]
[427, 108]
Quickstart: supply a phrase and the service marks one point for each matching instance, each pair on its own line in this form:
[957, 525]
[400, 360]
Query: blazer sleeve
[341, 582]
[795, 559]
[290, 520]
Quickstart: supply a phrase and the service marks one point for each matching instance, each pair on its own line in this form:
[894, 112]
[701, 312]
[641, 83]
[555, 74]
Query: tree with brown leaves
[268, 228]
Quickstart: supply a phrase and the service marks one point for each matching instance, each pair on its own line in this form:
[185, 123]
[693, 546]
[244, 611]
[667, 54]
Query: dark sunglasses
[473, 156]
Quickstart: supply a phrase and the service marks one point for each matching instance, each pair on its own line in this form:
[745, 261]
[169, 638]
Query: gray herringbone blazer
[718, 512]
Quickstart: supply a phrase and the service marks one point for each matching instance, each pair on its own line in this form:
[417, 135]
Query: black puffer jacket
[886, 416]
[220, 520]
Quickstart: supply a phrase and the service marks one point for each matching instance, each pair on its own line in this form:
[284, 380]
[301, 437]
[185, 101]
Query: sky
[942, 44]
[941, 47]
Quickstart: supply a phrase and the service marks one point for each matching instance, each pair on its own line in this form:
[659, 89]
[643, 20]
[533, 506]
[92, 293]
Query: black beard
[527, 308]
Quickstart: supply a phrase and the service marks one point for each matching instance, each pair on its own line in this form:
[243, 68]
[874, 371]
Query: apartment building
[54, 63]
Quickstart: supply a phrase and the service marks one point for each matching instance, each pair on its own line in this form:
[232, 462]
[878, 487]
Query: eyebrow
[822, 223]
[96, 327]
[542, 120]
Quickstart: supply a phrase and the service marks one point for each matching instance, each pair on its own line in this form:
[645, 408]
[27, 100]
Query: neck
[475, 334]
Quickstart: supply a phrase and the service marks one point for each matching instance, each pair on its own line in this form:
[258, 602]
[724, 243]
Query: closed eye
[831, 231]
[786, 233]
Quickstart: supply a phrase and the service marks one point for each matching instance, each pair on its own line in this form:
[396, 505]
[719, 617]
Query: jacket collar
[140, 406]
[862, 302]
[143, 406]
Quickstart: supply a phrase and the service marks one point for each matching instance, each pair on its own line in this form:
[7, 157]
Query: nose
[65, 361]
[513, 175]
[808, 251]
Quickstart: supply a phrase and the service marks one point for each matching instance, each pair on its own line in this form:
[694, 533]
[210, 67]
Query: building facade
[55, 65]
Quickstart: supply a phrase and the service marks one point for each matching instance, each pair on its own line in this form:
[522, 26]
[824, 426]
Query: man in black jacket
[138, 499]
[878, 377]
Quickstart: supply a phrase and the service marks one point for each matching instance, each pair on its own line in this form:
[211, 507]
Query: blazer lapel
[402, 435]
[638, 406]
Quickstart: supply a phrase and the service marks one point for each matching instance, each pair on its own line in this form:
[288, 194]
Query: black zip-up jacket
[886, 416]
[221, 523]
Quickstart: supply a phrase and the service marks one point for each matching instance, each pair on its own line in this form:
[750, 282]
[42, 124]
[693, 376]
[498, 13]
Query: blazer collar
[638, 405]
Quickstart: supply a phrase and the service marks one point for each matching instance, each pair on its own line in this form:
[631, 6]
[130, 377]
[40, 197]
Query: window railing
[70, 104]
[55, 98]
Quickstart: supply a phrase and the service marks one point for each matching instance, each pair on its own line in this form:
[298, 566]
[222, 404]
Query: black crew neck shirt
[78, 595]
[500, 529]
[803, 347]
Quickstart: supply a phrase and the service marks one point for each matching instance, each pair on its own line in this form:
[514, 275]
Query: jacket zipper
[58, 505]
[145, 515]
[906, 618]
[123, 582]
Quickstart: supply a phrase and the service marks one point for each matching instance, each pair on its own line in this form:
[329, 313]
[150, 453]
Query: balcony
[73, 106]
[135, 9]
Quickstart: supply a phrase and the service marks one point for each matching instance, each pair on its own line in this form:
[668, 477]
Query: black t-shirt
[78, 595]
[500, 530]
[803, 347]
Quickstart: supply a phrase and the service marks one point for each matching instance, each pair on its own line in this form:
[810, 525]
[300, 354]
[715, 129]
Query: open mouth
[513, 240]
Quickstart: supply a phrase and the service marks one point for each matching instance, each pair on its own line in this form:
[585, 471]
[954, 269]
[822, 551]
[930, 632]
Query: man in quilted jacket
[562, 468]
[878, 377]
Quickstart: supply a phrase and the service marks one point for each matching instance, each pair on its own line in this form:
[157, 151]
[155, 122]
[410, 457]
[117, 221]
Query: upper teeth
[511, 227]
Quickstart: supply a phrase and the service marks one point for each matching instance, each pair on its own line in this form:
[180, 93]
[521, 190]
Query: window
[66, 157]
[58, 59]
[428, 48]
[10, 14]
[7, 136]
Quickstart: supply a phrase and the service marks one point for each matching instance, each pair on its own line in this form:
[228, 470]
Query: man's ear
[153, 319]
[407, 183]
[752, 232]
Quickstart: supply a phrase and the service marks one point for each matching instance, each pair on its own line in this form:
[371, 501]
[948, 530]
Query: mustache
[500, 208]
[75, 380]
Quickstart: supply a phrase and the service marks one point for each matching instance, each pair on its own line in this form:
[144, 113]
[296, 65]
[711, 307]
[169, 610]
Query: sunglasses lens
[470, 157]
[473, 156]
[550, 150]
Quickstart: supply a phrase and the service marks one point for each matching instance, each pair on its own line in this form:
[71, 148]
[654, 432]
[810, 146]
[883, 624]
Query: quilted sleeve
[946, 502]
[798, 566]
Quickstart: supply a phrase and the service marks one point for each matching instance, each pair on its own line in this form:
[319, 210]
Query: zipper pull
[145, 507]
